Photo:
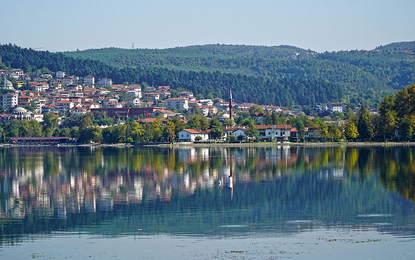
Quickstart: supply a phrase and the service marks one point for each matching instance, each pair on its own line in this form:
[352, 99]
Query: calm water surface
[205, 203]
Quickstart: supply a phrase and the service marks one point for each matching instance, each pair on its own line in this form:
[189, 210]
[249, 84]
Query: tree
[96, 134]
[228, 122]
[232, 139]
[75, 132]
[323, 130]
[216, 129]
[65, 132]
[252, 132]
[137, 132]
[255, 109]
[247, 122]
[156, 130]
[387, 118]
[170, 131]
[402, 104]
[85, 130]
[50, 123]
[179, 125]
[351, 131]
[198, 122]
[31, 128]
[274, 118]
[364, 125]
[334, 133]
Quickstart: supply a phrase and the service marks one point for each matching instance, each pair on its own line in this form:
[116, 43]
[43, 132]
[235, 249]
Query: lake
[207, 203]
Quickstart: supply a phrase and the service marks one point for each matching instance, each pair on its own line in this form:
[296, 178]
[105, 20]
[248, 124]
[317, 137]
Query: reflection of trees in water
[271, 182]
[397, 171]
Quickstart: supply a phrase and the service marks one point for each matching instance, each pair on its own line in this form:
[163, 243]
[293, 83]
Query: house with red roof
[277, 133]
[190, 135]
[65, 105]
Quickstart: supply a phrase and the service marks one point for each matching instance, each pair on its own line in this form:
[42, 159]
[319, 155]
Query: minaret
[230, 105]
[4, 82]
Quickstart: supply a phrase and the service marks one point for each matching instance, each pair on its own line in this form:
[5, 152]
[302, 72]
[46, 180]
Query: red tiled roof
[259, 127]
[192, 131]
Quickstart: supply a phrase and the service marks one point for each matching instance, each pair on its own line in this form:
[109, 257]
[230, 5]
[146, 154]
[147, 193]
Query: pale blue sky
[320, 25]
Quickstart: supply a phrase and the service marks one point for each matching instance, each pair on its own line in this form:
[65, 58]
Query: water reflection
[210, 191]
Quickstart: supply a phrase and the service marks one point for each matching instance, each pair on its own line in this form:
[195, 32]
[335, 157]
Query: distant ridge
[364, 76]
[398, 46]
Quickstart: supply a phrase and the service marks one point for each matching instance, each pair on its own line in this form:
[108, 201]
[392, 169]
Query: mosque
[7, 84]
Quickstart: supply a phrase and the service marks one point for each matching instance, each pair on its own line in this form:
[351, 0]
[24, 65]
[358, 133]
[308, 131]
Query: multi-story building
[68, 80]
[340, 107]
[60, 74]
[105, 82]
[89, 80]
[176, 103]
[10, 100]
[151, 96]
[64, 105]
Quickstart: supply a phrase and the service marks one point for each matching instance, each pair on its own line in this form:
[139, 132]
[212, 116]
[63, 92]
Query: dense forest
[282, 91]
[364, 76]
[278, 75]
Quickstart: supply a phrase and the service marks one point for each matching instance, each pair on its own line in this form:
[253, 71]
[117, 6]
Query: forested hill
[398, 46]
[260, 89]
[363, 75]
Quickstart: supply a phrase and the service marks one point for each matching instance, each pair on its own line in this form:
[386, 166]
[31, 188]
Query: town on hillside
[88, 110]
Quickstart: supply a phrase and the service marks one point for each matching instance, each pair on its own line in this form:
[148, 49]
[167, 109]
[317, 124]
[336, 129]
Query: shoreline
[194, 145]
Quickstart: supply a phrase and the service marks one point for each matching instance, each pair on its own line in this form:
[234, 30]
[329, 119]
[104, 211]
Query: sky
[319, 25]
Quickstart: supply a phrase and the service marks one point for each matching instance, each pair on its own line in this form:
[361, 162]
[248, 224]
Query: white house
[68, 80]
[10, 100]
[105, 82]
[60, 74]
[163, 113]
[134, 101]
[65, 105]
[89, 80]
[152, 96]
[40, 87]
[176, 103]
[206, 102]
[276, 133]
[189, 135]
[205, 110]
[340, 107]
[134, 92]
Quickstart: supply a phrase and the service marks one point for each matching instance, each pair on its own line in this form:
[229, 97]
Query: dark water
[280, 202]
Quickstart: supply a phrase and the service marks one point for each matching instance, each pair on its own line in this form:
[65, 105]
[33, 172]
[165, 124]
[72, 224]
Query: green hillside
[397, 46]
[279, 75]
[363, 75]
[246, 88]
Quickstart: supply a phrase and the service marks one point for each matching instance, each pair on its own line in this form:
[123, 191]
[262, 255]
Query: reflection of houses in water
[332, 173]
[187, 155]
[74, 190]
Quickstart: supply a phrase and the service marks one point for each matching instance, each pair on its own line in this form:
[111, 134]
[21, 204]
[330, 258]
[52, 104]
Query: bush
[233, 139]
